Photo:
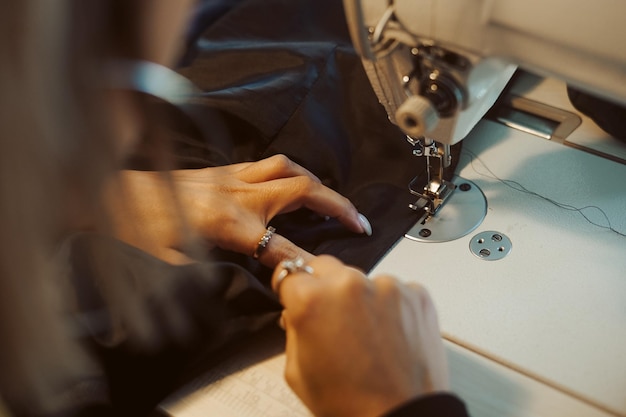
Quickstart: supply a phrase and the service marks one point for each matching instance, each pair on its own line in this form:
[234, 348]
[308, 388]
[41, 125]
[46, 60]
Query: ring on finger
[263, 242]
[291, 266]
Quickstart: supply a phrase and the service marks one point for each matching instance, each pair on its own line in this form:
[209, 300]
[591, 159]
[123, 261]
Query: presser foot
[454, 210]
[431, 198]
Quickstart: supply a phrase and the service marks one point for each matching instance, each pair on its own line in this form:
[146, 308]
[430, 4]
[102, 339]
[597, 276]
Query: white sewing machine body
[579, 42]
[438, 66]
[542, 330]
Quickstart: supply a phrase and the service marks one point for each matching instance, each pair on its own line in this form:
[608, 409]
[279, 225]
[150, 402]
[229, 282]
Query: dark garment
[609, 116]
[282, 77]
[149, 331]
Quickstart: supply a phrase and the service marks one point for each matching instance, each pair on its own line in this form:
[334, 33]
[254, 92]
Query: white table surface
[552, 314]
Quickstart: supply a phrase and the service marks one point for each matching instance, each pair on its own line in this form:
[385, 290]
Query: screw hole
[481, 241]
[496, 238]
[484, 253]
[501, 249]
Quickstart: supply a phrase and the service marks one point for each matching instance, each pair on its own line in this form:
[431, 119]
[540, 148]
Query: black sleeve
[609, 116]
[437, 405]
[215, 302]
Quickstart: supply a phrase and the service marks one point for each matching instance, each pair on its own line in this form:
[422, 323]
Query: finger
[427, 309]
[430, 344]
[305, 293]
[279, 249]
[326, 265]
[329, 268]
[173, 256]
[211, 172]
[292, 370]
[231, 168]
[290, 194]
[272, 168]
[322, 270]
[422, 296]
[302, 289]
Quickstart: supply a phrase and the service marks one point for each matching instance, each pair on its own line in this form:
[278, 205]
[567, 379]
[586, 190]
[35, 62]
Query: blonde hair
[54, 153]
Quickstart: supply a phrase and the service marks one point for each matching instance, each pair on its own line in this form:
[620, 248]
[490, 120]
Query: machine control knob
[417, 116]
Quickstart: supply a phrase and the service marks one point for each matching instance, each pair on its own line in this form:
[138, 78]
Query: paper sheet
[247, 383]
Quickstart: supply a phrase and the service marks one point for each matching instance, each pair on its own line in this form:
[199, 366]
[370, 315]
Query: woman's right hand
[355, 346]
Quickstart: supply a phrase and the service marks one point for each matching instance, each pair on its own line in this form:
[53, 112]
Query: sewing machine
[533, 303]
[438, 66]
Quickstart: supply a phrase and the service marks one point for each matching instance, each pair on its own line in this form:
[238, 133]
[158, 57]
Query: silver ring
[291, 266]
[263, 242]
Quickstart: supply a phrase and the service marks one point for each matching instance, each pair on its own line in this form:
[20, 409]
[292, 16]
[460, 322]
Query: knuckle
[308, 303]
[419, 290]
[352, 284]
[304, 185]
[325, 258]
[387, 285]
[422, 294]
[281, 162]
[286, 250]
[328, 262]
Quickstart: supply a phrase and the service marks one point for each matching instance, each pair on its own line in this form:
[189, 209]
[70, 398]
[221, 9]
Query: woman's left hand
[227, 206]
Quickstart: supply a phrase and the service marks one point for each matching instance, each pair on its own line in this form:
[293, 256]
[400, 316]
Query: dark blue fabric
[283, 77]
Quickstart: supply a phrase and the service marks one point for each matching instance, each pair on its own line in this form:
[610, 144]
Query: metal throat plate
[463, 212]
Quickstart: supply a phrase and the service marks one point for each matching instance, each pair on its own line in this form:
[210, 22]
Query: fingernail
[367, 227]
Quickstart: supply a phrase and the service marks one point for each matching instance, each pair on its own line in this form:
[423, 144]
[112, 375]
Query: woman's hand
[227, 206]
[357, 347]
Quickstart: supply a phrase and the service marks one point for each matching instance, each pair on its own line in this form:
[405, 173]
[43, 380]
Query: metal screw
[418, 147]
[425, 232]
[484, 253]
[496, 238]
[465, 187]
